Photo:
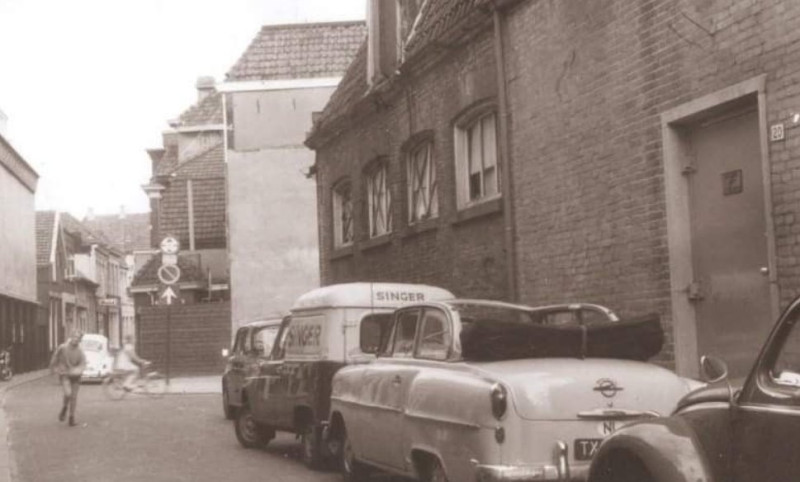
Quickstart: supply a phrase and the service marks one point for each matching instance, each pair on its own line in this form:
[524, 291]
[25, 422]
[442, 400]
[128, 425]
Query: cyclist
[128, 362]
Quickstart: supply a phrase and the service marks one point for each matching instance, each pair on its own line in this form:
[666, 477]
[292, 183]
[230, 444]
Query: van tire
[249, 432]
[311, 438]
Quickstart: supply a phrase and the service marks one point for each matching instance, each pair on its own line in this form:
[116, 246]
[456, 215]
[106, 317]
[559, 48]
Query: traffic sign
[170, 245]
[168, 295]
[169, 274]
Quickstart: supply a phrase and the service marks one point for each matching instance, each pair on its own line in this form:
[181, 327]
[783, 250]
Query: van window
[374, 332]
[264, 338]
[238, 345]
[405, 331]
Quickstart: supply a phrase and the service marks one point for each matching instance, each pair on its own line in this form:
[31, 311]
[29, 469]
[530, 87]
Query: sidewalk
[179, 385]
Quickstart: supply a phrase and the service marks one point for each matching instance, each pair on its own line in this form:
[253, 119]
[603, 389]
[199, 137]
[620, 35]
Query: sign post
[169, 274]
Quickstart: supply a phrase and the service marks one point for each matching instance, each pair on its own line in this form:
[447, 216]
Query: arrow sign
[168, 295]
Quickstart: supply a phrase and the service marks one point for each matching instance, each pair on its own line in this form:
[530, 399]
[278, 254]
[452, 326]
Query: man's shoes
[62, 415]
[71, 421]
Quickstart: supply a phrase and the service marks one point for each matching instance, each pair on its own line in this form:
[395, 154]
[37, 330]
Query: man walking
[69, 362]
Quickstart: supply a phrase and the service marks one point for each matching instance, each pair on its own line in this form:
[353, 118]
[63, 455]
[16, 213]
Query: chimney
[382, 40]
[90, 214]
[205, 86]
[122, 211]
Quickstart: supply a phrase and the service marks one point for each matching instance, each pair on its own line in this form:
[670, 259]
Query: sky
[89, 85]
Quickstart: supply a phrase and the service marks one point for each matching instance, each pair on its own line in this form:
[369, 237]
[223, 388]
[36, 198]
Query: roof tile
[299, 51]
[45, 223]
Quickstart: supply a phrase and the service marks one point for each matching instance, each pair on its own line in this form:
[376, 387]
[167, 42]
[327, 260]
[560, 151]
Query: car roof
[258, 323]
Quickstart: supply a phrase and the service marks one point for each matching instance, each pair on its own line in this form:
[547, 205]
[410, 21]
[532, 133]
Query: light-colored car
[470, 390]
[99, 361]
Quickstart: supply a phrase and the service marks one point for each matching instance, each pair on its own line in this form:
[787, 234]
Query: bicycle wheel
[155, 385]
[113, 387]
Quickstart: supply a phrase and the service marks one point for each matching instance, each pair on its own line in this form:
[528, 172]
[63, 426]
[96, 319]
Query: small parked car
[328, 328]
[99, 361]
[472, 390]
[725, 431]
[252, 346]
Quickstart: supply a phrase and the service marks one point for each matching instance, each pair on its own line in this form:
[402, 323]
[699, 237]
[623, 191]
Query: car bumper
[94, 375]
[561, 471]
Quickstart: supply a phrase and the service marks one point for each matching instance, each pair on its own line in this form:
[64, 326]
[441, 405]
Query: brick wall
[197, 335]
[588, 81]
[466, 257]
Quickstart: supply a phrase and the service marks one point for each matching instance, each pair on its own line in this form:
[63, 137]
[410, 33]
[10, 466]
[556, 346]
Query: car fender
[667, 447]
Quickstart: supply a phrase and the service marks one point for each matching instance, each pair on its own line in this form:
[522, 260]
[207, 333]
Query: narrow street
[175, 438]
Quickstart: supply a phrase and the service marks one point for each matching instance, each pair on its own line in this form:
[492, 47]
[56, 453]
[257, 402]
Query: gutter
[505, 153]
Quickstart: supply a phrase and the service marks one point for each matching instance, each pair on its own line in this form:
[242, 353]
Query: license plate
[585, 448]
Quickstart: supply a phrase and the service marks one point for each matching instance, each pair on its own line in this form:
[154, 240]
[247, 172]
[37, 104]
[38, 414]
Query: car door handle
[397, 380]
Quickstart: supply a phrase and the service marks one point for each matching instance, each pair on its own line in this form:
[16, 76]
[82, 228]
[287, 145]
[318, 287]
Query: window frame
[429, 185]
[421, 323]
[393, 341]
[384, 203]
[337, 212]
[462, 128]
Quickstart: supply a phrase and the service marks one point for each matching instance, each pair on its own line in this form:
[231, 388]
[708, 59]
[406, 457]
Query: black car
[251, 348]
[721, 432]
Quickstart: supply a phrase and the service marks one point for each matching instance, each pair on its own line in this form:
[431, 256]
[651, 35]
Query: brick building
[286, 74]
[82, 280]
[187, 201]
[644, 160]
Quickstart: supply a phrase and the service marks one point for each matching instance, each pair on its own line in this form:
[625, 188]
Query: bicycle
[149, 382]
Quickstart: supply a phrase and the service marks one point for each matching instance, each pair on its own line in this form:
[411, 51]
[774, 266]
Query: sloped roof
[436, 18]
[207, 111]
[87, 236]
[127, 233]
[352, 88]
[208, 163]
[299, 51]
[45, 224]
[168, 161]
[438, 21]
[190, 271]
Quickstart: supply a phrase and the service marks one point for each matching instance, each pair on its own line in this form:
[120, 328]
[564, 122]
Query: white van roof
[370, 295]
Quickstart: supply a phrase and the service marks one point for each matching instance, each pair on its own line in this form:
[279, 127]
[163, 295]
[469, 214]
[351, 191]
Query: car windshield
[264, 338]
[91, 345]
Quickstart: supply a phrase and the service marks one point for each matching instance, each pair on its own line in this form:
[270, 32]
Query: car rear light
[499, 398]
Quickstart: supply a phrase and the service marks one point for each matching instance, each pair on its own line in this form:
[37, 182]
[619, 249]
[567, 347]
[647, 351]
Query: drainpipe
[505, 154]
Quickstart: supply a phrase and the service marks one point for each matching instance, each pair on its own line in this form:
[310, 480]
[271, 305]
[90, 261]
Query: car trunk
[590, 389]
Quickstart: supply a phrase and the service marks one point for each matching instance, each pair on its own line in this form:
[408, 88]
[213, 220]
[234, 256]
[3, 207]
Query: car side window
[405, 332]
[786, 369]
[264, 338]
[238, 345]
[435, 337]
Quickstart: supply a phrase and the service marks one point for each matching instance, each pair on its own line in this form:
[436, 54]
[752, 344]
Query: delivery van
[327, 328]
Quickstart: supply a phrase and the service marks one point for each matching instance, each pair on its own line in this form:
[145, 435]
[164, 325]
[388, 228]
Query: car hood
[594, 388]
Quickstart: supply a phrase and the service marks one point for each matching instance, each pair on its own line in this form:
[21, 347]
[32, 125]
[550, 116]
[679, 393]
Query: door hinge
[694, 292]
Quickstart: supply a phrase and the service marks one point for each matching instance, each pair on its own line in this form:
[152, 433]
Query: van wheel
[249, 432]
[311, 438]
[352, 470]
[435, 472]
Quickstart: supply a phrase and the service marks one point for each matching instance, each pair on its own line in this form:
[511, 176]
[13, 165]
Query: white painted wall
[17, 238]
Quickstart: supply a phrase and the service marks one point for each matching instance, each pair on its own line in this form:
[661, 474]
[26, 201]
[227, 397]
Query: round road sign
[169, 274]
[169, 245]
